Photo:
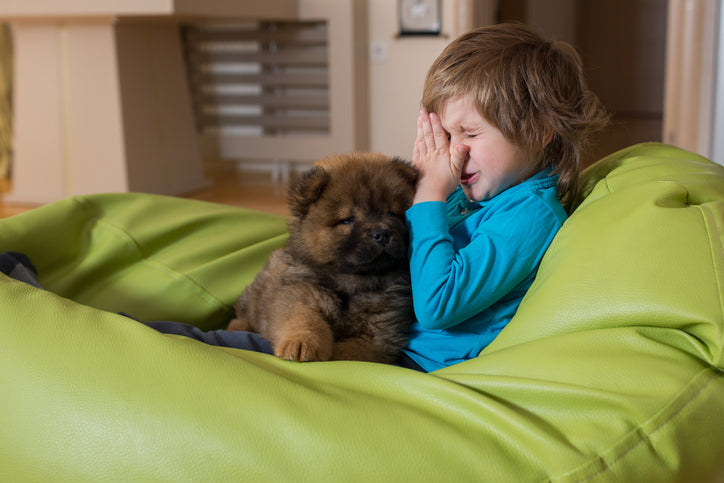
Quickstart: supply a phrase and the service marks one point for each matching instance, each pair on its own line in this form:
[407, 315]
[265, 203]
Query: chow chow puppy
[340, 289]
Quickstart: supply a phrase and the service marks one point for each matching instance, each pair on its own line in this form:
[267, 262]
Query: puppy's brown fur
[340, 289]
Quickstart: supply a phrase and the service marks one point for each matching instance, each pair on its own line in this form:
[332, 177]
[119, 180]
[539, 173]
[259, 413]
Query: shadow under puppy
[340, 289]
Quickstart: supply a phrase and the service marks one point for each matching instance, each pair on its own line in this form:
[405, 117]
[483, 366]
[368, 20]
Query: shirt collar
[460, 205]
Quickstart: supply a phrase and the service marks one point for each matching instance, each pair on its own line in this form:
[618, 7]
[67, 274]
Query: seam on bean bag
[134, 249]
[717, 256]
[618, 452]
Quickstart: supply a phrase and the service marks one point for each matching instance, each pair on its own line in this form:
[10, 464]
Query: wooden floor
[248, 190]
[9, 210]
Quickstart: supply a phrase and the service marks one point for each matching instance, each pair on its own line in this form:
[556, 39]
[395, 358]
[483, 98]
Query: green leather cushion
[611, 370]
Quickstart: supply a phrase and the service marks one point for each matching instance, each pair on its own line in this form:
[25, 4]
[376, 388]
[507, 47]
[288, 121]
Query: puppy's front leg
[239, 323]
[304, 337]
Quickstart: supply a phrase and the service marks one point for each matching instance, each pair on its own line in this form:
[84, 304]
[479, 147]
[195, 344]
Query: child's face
[493, 164]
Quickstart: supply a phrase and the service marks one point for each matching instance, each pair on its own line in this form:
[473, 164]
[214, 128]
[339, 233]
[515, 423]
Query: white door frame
[690, 79]
[718, 122]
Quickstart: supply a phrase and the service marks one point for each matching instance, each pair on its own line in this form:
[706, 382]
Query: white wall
[397, 71]
[718, 122]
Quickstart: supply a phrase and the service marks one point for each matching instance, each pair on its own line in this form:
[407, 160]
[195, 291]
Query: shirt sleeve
[451, 284]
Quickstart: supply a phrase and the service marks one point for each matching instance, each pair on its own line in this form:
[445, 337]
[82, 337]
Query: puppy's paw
[303, 350]
[238, 324]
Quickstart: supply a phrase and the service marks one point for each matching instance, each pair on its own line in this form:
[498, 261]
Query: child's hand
[440, 167]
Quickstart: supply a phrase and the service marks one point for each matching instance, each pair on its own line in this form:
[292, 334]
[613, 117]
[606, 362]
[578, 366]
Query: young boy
[505, 116]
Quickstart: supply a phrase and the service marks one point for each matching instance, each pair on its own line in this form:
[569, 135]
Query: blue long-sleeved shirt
[471, 264]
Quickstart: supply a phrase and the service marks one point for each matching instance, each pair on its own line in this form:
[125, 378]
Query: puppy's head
[348, 213]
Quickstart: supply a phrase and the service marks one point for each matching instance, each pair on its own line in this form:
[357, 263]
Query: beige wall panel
[93, 118]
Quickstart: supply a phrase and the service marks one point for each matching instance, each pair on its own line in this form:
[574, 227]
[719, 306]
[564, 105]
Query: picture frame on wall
[419, 17]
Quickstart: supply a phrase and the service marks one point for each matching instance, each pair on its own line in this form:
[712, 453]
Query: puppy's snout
[380, 235]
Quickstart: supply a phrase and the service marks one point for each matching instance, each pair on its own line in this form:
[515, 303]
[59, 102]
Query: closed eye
[347, 221]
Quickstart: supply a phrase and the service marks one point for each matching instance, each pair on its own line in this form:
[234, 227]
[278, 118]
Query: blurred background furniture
[113, 72]
[277, 84]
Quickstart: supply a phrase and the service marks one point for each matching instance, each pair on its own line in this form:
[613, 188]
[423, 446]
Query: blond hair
[530, 89]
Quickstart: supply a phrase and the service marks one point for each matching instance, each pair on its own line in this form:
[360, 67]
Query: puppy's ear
[307, 190]
[406, 170]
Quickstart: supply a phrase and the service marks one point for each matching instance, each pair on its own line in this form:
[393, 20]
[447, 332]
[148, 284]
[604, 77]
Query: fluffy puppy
[340, 289]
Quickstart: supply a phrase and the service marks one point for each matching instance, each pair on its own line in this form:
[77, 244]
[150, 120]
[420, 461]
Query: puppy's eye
[347, 221]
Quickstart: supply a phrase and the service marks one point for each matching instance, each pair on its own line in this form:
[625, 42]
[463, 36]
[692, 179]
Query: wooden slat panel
[296, 35]
[281, 79]
[269, 122]
[276, 100]
[285, 57]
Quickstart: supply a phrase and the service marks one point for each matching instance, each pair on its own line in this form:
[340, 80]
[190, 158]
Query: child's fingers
[427, 131]
[439, 134]
[458, 155]
[420, 146]
[417, 154]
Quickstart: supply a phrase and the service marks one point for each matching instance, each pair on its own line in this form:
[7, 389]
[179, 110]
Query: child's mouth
[468, 178]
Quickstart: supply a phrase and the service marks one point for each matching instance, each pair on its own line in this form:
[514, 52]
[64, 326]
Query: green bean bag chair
[610, 371]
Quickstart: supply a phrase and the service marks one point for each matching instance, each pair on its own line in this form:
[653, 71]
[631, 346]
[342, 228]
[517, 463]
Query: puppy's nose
[380, 235]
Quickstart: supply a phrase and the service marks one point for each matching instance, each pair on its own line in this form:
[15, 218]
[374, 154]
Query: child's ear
[548, 137]
[307, 190]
